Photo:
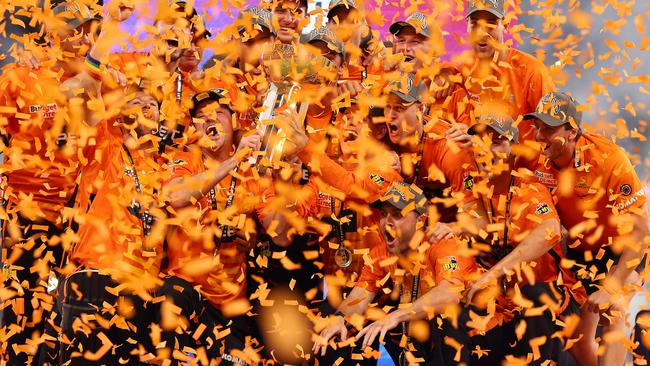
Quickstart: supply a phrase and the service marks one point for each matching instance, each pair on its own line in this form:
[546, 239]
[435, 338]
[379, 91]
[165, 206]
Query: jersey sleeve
[624, 187]
[462, 106]
[366, 185]
[181, 164]
[307, 202]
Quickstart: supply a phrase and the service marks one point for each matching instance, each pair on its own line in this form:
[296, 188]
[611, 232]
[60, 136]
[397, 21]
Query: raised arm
[180, 191]
[84, 89]
[535, 245]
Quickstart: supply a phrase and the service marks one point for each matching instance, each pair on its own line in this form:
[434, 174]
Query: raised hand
[296, 136]
[248, 144]
[458, 133]
[121, 10]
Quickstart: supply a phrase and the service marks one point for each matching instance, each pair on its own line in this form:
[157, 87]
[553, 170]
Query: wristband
[94, 67]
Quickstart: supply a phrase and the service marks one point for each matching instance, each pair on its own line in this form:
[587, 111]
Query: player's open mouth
[389, 235]
[350, 135]
[212, 131]
[409, 58]
[483, 46]
[544, 147]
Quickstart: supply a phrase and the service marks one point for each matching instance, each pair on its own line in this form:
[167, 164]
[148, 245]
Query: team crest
[176, 162]
[542, 209]
[468, 183]
[549, 104]
[626, 189]
[582, 183]
[378, 179]
[451, 264]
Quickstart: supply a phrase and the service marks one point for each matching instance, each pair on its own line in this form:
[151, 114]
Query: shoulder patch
[542, 209]
[176, 162]
[378, 179]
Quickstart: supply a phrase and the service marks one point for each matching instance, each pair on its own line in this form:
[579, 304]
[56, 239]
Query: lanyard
[414, 295]
[420, 156]
[145, 217]
[212, 198]
[502, 248]
[179, 85]
[343, 255]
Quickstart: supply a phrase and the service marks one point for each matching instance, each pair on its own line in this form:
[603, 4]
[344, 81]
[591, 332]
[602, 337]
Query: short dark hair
[304, 4]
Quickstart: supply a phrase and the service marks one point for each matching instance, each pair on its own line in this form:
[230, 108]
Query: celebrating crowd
[306, 196]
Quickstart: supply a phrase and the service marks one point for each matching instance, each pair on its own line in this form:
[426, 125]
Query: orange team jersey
[191, 246]
[41, 159]
[444, 260]
[514, 86]
[357, 188]
[366, 184]
[444, 170]
[91, 175]
[601, 185]
[532, 204]
[455, 108]
[111, 237]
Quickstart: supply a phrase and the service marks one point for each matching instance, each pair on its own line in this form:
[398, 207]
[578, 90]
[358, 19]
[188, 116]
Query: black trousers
[601, 265]
[299, 284]
[200, 330]
[102, 328]
[305, 278]
[32, 307]
[502, 341]
[640, 331]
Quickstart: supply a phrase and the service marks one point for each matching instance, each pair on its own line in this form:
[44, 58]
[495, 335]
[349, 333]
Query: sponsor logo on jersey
[49, 111]
[546, 179]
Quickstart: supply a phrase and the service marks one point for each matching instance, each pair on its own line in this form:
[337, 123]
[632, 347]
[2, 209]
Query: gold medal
[343, 257]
